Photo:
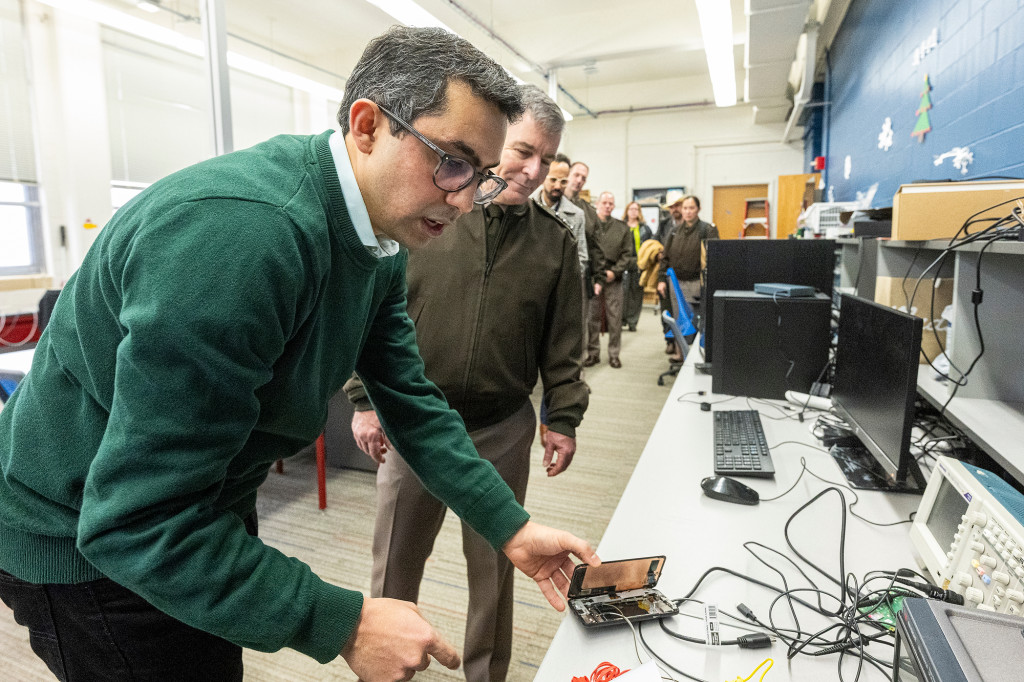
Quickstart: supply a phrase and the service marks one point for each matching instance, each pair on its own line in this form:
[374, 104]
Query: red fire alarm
[819, 163]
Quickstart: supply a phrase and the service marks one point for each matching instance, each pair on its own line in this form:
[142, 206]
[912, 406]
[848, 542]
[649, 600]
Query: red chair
[321, 470]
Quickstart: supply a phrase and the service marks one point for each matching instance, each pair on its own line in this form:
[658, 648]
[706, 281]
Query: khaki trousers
[408, 520]
[611, 296]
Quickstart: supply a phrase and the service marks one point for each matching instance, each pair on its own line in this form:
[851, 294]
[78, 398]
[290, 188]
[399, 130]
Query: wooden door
[794, 190]
[729, 202]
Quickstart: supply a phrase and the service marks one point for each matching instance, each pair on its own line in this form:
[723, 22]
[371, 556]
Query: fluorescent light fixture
[716, 29]
[147, 7]
[409, 13]
[120, 21]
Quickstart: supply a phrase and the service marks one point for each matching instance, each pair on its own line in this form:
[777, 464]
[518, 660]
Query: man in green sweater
[201, 340]
[496, 302]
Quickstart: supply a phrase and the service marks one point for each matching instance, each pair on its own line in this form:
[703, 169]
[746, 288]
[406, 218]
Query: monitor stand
[863, 471]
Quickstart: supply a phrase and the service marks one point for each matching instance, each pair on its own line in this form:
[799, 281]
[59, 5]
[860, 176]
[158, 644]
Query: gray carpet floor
[624, 404]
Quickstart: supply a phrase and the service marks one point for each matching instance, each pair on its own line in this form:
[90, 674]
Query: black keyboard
[740, 447]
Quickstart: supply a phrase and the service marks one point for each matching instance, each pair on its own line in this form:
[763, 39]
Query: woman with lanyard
[634, 293]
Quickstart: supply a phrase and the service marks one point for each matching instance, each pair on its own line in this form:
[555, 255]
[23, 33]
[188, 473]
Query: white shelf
[995, 426]
[990, 406]
[1010, 247]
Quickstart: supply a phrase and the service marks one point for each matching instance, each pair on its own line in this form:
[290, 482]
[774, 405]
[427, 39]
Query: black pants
[100, 631]
[633, 298]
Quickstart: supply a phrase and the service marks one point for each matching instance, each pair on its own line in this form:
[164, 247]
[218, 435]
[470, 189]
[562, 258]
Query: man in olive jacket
[611, 253]
[495, 300]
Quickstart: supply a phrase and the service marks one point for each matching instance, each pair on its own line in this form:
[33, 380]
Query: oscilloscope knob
[978, 518]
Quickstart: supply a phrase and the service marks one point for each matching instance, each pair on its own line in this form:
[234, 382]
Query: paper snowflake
[885, 137]
[962, 157]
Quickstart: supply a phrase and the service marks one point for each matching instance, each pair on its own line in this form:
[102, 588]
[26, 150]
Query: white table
[663, 511]
[17, 360]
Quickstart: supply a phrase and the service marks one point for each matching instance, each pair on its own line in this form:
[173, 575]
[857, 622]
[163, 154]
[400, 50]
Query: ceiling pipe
[479, 23]
[657, 107]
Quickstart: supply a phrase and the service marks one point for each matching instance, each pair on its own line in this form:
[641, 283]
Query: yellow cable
[770, 663]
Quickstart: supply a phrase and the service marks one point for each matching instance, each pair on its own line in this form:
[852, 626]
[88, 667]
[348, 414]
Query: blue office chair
[680, 326]
[682, 348]
[681, 311]
[9, 380]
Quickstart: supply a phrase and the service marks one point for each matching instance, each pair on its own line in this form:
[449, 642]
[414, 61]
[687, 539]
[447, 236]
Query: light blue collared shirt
[379, 247]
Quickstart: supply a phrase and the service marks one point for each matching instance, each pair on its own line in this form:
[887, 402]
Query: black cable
[640, 629]
[991, 233]
[910, 269]
[755, 640]
[842, 537]
[856, 497]
[778, 341]
[976, 298]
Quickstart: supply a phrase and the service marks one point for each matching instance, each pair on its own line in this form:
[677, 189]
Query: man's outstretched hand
[392, 641]
[544, 554]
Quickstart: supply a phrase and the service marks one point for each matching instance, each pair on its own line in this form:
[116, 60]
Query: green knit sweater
[200, 341]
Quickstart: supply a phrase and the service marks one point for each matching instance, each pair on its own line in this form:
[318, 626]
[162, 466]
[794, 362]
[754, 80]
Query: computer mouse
[729, 490]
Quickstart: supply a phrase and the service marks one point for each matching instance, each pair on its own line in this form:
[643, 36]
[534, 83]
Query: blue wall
[977, 79]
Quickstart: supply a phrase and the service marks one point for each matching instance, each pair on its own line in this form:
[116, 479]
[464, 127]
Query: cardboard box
[937, 210]
[889, 291]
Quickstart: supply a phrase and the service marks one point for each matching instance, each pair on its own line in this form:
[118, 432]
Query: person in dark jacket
[611, 254]
[682, 254]
[496, 301]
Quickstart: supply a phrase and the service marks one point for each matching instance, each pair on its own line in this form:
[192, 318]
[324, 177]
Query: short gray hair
[407, 70]
[544, 111]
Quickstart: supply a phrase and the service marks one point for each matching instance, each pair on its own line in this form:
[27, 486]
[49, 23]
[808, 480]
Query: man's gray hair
[407, 70]
[542, 109]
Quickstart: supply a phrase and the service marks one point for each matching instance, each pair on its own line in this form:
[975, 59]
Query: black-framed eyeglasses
[453, 174]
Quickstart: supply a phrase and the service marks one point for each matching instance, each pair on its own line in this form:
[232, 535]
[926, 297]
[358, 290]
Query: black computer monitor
[877, 355]
[741, 263]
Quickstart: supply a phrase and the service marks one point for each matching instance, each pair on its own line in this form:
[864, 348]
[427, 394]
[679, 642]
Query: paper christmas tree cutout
[923, 124]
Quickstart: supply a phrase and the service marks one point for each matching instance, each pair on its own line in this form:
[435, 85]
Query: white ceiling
[608, 55]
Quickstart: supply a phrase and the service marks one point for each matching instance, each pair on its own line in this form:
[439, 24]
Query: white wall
[70, 125]
[697, 148]
[108, 106]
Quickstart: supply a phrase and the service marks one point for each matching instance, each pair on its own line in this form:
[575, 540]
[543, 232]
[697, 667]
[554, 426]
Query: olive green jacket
[611, 248]
[487, 325]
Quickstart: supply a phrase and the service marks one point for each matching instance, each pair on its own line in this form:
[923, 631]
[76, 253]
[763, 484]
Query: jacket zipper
[488, 264]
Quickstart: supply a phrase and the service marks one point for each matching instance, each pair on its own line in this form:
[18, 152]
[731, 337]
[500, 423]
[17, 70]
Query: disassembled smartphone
[617, 591]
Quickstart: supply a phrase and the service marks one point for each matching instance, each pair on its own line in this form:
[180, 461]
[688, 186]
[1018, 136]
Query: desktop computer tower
[739, 264]
[765, 346]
